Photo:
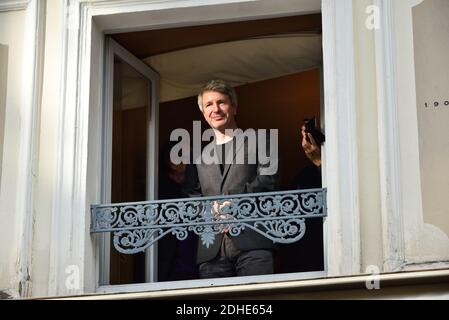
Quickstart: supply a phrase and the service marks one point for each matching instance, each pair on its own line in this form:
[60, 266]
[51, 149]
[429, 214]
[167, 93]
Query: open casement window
[130, 153]
[132, 219]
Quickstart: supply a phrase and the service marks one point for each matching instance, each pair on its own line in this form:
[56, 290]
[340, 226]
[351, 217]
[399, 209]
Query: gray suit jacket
[207, 180]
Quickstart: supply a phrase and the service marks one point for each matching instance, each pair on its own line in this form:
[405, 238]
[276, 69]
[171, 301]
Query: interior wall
[148, 43]
[280, 103]
[423, 241]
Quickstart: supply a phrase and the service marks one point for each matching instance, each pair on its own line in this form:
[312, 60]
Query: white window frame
[114, 49]
[78, 149]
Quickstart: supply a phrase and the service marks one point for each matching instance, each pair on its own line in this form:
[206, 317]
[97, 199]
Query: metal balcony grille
[279, 216]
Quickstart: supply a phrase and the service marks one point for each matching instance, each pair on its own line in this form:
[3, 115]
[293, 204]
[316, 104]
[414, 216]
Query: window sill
[433, 284]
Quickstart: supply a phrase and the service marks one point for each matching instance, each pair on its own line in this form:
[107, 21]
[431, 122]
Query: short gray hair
[218, 86]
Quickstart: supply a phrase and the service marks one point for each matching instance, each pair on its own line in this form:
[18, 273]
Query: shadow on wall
[3, 82]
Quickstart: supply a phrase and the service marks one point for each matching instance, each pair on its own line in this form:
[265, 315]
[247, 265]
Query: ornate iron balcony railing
[279, 216]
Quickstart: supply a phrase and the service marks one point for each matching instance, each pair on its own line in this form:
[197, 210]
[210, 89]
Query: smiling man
[219, 109]
[249, 253]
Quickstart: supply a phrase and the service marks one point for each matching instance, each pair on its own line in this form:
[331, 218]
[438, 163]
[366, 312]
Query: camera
[310, 127]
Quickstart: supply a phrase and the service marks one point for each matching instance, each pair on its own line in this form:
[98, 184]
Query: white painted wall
[12, 36]
[431, 44]
[424, 242]
[94, 176]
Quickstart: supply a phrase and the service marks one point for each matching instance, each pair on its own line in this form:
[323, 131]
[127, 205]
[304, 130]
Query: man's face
[218, 111]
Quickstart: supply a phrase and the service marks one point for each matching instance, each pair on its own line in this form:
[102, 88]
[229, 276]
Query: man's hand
[217, 209]
[311, 149]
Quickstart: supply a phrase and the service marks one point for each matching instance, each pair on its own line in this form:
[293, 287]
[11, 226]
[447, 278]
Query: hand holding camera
[310, 127]
[312, 139]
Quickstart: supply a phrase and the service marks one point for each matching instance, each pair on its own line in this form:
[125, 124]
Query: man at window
[249, 253]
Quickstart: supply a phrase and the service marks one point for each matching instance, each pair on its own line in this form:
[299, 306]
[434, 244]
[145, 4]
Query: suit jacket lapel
[230, 160]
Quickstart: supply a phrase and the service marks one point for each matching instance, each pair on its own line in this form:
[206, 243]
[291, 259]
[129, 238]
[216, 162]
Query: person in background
[307, 253]
[176, 258]
[311, 141]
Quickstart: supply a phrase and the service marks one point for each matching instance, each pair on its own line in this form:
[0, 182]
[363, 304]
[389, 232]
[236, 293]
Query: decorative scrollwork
[279, 216]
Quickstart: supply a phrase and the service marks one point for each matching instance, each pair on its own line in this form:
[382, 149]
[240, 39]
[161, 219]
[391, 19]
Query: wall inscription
[436, 104]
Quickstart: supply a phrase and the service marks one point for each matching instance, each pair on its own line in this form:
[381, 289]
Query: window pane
[129, 157]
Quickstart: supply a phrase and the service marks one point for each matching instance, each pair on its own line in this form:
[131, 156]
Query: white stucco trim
[389, 156]
[29, 134]
[71, 239]
[69, 227]
[343, 221]
[11, 5]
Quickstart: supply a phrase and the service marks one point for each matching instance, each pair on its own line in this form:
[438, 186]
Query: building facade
[384, 107]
